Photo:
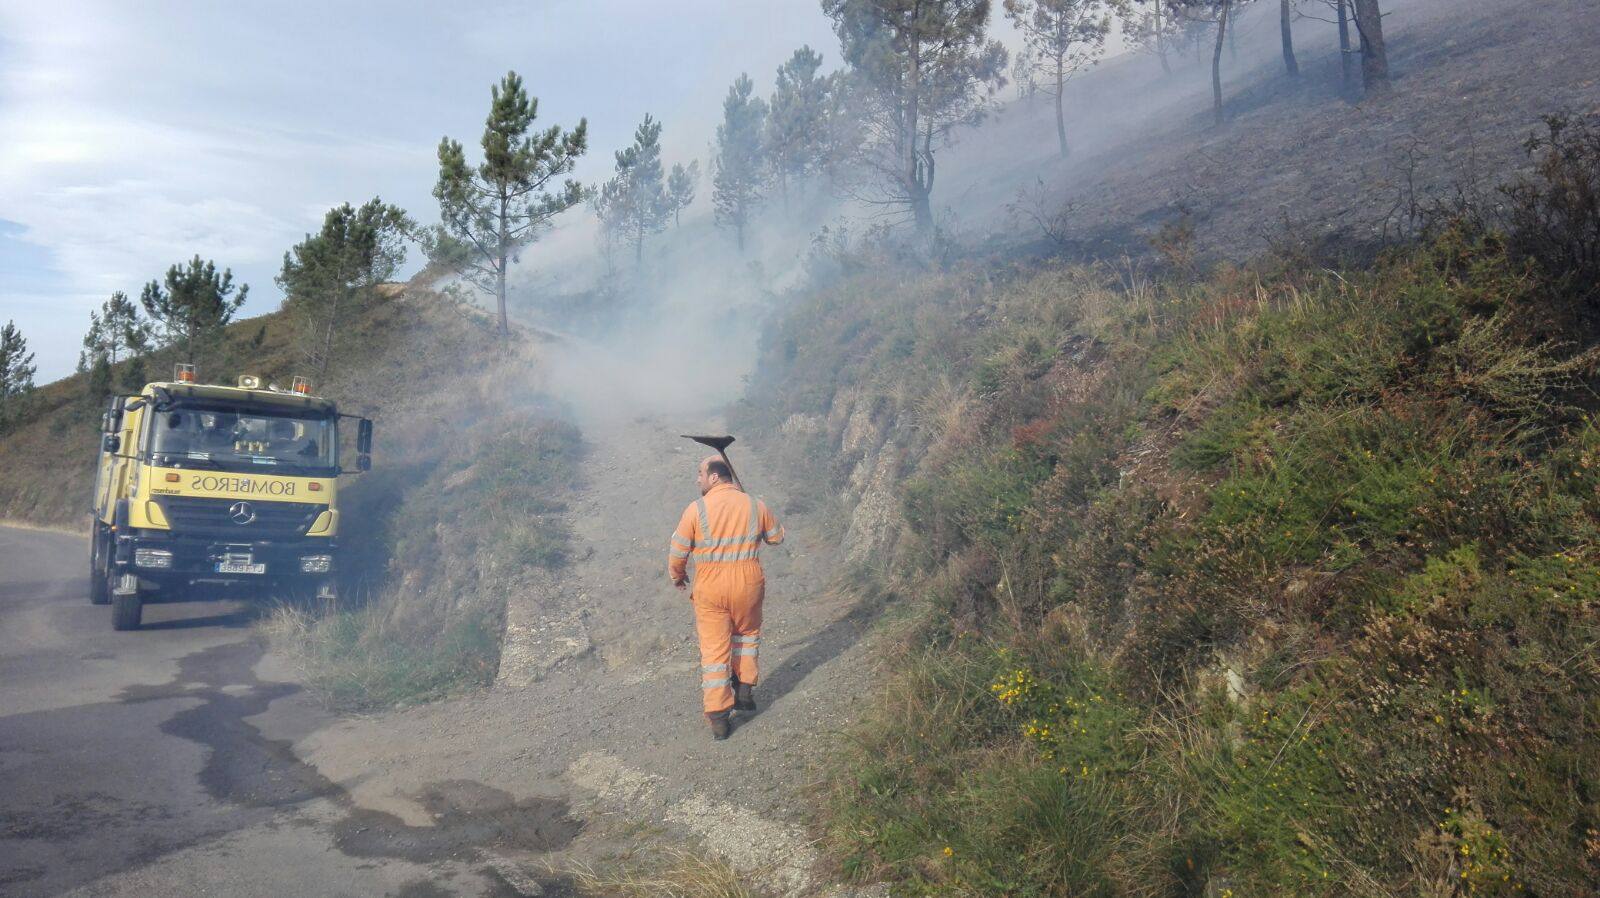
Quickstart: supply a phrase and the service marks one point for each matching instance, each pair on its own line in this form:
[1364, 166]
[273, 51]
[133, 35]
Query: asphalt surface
[135, 763]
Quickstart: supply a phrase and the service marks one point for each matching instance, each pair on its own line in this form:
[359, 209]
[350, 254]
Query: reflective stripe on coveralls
[723, 532]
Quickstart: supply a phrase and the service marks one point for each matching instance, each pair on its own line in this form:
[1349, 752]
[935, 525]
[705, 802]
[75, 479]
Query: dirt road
[598, 697]
[184, 759]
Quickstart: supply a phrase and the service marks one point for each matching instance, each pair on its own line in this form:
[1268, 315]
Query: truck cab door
[110, 425]
[123, 460]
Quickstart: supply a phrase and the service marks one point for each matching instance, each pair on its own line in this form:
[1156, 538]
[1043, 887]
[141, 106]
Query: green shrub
[1299, 597]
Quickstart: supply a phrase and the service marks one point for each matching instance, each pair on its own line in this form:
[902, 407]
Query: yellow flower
[948, 851]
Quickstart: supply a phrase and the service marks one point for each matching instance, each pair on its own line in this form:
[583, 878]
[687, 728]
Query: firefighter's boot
[720, 727]
[744, 698]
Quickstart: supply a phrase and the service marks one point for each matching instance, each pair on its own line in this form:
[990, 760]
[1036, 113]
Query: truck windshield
[240, 438]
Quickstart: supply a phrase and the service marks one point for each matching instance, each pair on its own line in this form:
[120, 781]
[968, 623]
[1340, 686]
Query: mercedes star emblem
[241, 513]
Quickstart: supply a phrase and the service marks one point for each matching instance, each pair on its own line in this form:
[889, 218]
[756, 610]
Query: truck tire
[100, 566]
[127, 608]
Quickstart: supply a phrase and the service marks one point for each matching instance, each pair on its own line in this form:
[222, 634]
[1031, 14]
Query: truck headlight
[152, 558]
[316, 564]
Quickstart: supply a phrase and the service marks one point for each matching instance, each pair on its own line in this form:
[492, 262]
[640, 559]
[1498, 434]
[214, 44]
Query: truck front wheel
[127, 604]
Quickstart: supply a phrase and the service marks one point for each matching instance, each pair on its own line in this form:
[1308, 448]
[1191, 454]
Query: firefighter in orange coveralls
[722, 531]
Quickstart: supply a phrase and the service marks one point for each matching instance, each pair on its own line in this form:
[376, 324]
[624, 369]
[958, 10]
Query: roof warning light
[185, 373]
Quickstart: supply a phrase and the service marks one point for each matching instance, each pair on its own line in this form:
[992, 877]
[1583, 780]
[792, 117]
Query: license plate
[240, 567]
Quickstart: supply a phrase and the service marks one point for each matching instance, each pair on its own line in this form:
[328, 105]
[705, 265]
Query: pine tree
[91, 342]
[1342, 12]
[796, 125]
[98, 384]
[16, 374]
[1065, 36]
[116, 336]
[921, 69]
[330, 274]
[490, 212]
[634, 203]
[1374, 52]
[1022, 74]
[133, 376]
[738, 170]
[1286, 36]
[1221, 13]
[1151, 30]
[681, 186]
[116, 331]
[192, 306]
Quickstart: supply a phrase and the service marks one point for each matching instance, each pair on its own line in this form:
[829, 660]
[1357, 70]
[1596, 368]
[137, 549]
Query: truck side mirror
[364, 437]
[363, 463]
[112, 420]
[110, 443]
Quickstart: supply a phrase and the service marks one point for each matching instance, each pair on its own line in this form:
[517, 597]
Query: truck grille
[272, 520]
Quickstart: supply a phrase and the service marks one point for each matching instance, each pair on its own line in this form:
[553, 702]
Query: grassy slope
[1277, 581]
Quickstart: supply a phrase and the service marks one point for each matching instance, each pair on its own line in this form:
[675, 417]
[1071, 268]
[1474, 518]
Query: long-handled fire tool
[720, 444]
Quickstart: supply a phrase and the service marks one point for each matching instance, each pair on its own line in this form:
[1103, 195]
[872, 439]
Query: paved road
[134, 764]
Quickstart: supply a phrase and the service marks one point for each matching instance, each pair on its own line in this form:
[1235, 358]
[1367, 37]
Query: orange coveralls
[723, 531]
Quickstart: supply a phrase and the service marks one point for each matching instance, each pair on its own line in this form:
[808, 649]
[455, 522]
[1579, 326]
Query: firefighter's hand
[681, 585]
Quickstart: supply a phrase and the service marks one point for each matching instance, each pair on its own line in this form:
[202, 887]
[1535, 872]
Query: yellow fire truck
[214, 484]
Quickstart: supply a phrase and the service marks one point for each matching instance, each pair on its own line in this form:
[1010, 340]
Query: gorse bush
[1553, 216]
[1280, 581]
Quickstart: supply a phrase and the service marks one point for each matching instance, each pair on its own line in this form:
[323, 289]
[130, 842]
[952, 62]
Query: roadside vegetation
[481, 520]
[1275, 579]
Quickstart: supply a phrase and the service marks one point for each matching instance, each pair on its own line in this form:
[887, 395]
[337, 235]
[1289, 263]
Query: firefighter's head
[713, 470]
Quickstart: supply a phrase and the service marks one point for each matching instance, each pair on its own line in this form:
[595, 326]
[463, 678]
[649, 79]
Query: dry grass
[672, 873]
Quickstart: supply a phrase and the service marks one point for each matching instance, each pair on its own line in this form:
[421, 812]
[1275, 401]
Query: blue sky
[136, 135]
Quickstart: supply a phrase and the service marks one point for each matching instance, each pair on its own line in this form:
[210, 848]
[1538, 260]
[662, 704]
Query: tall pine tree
[16, 374]
[116, 331]
[1286, 37]
[1221, 13]
[331, 273]
[920, 69]
[490, 212]
[192, 305]
[738, 173]
[1151, 30]
[1368, 16]
[797, 127]
[634, 203]
[117, 335]
[1065, 37]
[681, 186]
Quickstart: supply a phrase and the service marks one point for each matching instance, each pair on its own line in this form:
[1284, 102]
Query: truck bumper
[161, 557]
